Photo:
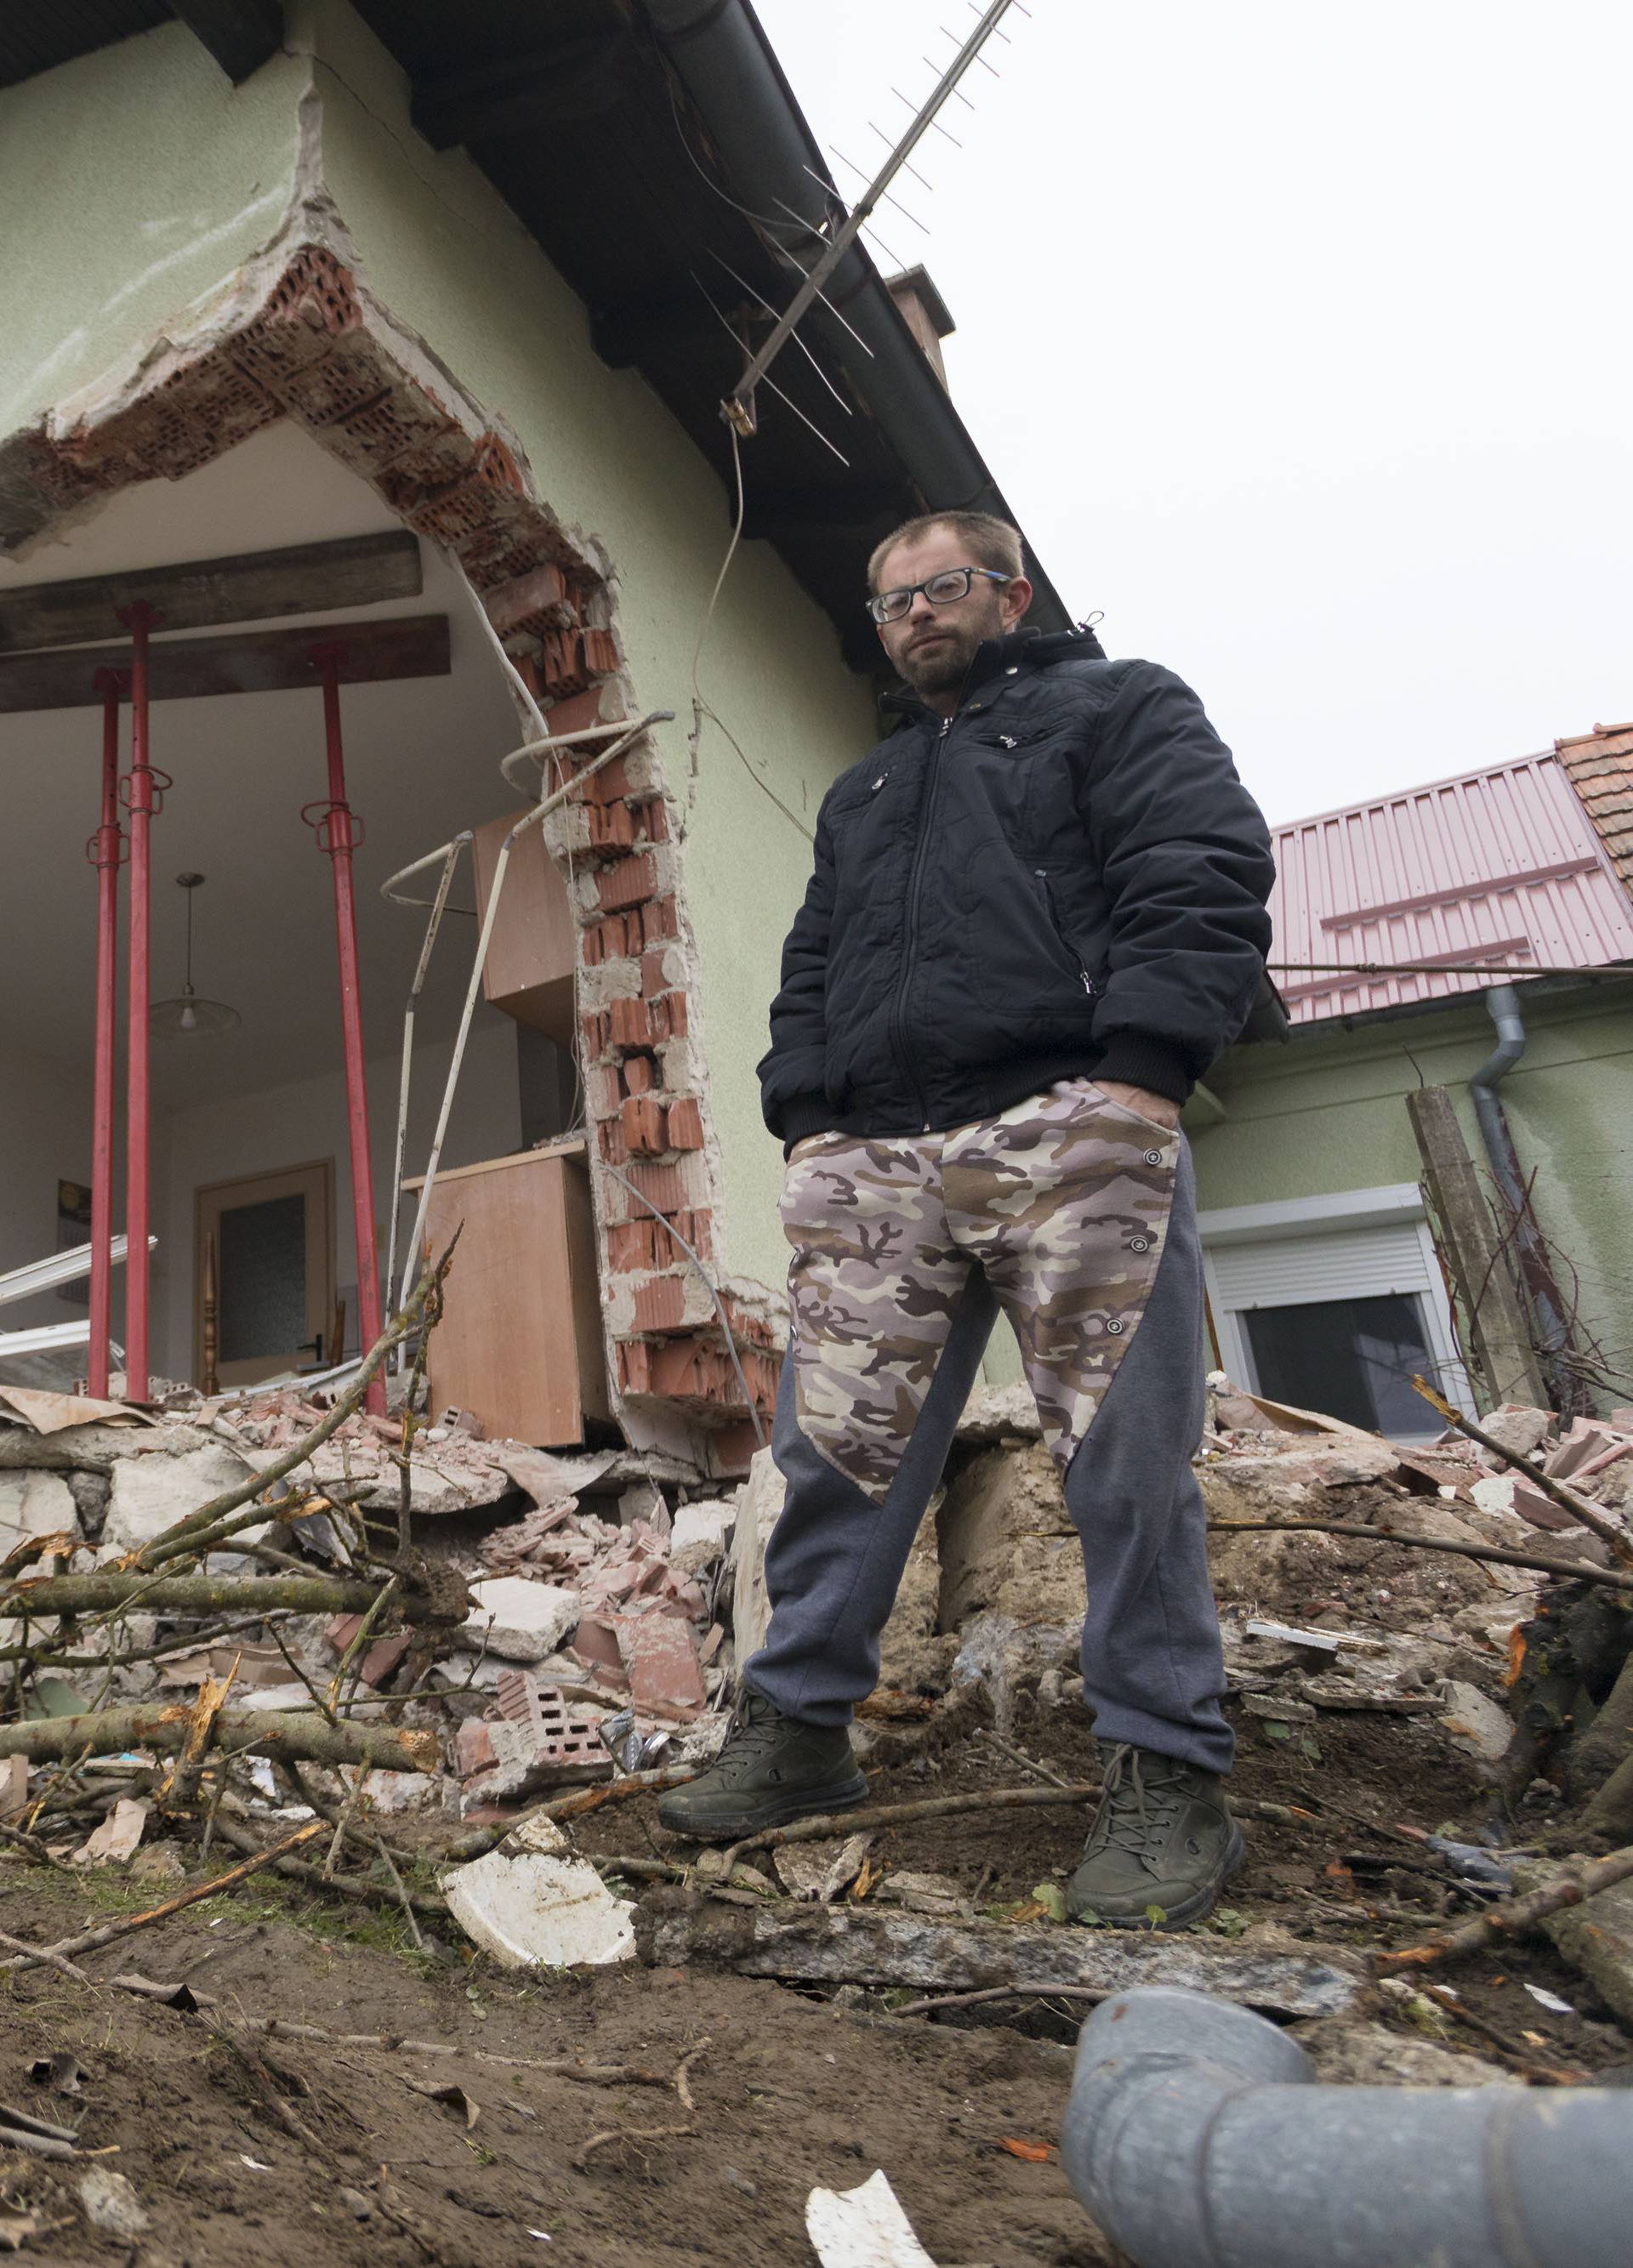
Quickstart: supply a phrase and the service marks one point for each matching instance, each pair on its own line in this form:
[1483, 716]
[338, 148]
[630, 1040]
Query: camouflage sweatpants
[1076, 1218]
[1061, 1202]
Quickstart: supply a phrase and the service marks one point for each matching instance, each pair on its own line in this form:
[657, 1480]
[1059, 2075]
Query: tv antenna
[738, 408]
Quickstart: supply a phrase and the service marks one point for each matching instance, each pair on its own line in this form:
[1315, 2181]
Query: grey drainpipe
[1502, 1001]
[732, 76]
[1196, 2137]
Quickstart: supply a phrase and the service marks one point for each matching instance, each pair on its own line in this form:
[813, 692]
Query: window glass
[1350, 1358]
[263, 1279]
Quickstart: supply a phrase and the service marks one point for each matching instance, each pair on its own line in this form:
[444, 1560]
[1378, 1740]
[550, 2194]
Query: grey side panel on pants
[835, 1559]
[1153, 1666]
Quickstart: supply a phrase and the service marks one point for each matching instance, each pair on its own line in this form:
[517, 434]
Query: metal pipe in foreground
[1196, 2137]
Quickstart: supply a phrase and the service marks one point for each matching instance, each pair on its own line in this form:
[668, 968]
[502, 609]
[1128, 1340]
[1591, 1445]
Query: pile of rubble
[415, 1619]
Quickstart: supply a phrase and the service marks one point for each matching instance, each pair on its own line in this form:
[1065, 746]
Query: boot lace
[755, 1731]
[1138, 1807]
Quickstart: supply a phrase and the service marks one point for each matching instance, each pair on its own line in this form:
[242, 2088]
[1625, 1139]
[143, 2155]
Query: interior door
[270, 1237]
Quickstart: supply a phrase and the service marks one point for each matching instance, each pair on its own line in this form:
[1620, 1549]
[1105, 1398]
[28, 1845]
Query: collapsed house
[377, 442]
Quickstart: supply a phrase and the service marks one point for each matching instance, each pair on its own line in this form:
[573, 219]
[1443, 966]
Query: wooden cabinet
[528, 970]
[520, 1342]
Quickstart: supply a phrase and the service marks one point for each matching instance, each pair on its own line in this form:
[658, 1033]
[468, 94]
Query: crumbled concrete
[539, 1911]
[1473, 1722]
[1347, 2054]
[112, 2205]
[150, 1494]
[700, 1535]
[521, 1620]
[759, 1505]
[1595, 1937]
[1007, 1541]
[35, 1504]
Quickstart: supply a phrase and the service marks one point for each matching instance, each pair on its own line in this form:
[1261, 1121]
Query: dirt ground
[282, 2151]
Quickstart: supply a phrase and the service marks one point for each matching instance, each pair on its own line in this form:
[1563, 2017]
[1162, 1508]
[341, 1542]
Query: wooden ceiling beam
[250, 586]
[259, 661]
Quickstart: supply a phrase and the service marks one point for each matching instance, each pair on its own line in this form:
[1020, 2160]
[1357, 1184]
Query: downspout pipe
[1198, 2137]
[722, 55]
[1503, 1004]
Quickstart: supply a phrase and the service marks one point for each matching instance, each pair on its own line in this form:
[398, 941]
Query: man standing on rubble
[1037, 916]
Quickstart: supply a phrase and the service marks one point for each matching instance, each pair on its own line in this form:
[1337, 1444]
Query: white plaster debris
[150, 1494]
[537, 1910]
[1473, 1722]
[862, 2227]
[522, 1620]
[700, 1535]
[111, 2203]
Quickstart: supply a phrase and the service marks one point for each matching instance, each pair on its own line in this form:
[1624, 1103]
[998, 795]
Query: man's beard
[941, 667]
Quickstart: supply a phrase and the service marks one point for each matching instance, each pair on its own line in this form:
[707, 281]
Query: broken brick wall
[683, 880]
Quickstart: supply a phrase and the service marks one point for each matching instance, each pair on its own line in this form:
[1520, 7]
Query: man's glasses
[943, 589]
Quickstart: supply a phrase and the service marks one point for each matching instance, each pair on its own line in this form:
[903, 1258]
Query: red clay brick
[610, 1140]
[686, 1123]
[661, 1186]
[628, 882]
[658, 920]
[654, 819]
[611, 825]
[609, 784]
[661, 1304]
[579, 710]
[634, 1358]
[642, 1118]
[629, 1024]
[601, 651]
[653, 980]
[640, 1074]
[633, 1246]
[529, 594]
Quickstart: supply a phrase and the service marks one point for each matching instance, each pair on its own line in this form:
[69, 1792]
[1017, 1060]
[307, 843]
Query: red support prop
[104, 850]
[336, 834]
[143, 803]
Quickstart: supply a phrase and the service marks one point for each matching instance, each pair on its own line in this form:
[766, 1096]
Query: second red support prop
[104, 850]
[337, 833]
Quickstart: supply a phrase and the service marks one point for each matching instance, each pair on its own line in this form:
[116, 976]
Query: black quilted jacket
[1067, 878]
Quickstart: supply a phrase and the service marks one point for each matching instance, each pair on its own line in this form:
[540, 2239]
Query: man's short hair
[991, 541]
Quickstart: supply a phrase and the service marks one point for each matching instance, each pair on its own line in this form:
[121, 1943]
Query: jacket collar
[1022, 649]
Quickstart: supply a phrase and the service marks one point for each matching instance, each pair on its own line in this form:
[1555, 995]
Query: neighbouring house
[1325, 1284]
[357, 344]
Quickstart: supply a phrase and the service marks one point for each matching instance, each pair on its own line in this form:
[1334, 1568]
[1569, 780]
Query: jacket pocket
[1090, 983]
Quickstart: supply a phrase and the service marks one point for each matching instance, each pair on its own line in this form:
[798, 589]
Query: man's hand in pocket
[1162, 1108]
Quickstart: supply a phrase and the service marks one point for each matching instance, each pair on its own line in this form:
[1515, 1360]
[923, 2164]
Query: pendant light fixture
[188, 1014]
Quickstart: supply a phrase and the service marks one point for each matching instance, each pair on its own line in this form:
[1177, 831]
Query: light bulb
[188, 1019]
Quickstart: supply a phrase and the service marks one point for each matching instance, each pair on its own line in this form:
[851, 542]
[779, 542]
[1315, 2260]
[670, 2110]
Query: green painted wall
[146, 180]
[132, 181]
[445, 256]
[1326, 1113]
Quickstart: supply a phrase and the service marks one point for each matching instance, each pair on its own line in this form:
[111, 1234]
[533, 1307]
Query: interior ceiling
[422, 757]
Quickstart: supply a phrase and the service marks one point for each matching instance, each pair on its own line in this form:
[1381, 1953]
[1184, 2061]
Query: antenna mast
[738, 407]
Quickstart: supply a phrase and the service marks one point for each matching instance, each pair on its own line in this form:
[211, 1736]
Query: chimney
[924, 313]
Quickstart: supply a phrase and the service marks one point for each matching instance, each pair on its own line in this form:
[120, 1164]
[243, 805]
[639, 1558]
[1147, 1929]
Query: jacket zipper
[1088, 983]
[898, 1026]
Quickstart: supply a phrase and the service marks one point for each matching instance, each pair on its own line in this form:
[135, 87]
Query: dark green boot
[773, 1769]
[1163, 1839]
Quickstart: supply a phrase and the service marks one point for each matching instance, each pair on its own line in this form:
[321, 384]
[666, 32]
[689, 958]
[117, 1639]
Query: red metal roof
[1500, 867]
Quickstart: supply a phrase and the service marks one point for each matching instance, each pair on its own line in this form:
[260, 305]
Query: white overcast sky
[1298, 339]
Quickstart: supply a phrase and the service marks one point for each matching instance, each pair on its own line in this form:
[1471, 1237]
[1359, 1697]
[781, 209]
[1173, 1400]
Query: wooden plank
[1466, 1237]
[529, 972]
[574, 1148]
[249, 586]
[259, 661]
